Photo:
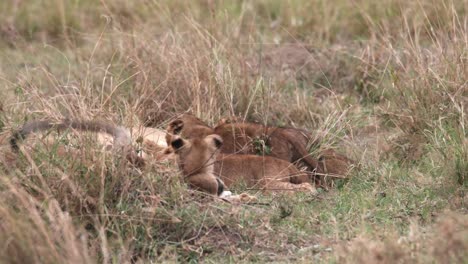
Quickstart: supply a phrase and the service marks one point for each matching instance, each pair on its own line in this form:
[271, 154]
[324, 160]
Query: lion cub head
[188, 127]
[196, 159]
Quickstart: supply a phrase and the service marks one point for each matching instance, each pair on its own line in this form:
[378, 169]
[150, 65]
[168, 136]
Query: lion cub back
[257, 171]
[288, 144]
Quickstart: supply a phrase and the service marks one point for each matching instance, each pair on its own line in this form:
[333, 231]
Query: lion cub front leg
[204, 182]
[278, 185]
[291, 180]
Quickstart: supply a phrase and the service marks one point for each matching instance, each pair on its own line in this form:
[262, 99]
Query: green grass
[383, 83]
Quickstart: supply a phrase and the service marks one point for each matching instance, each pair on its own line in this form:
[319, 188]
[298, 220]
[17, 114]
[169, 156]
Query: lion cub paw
[308, 187]
[242, 198]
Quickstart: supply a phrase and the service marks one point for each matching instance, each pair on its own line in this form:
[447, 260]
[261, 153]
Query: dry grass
[384, 83]
[444, 242]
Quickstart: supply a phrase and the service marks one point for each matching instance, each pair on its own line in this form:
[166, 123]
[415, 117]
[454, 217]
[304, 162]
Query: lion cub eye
[218, 142]
[177, 144]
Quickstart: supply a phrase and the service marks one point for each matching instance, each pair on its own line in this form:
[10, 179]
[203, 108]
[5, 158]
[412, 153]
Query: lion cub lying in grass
[116, 138]
[201, 166]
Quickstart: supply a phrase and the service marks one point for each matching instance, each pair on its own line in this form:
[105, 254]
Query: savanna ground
[384, 82]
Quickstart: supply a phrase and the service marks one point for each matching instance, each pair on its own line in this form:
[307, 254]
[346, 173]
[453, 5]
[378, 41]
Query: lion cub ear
[176, 126]
[177, 143]
[216, 139]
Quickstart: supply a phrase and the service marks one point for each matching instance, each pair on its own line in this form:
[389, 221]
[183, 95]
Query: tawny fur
[239, 137]
[262, 173]
[284, 143]
[288, 144]
[187, 126]
[196, 158]
[200, 164]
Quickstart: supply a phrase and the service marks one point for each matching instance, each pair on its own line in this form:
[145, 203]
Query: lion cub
[201, 165]
[284, 143]
[289, 144]
[114, 137]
